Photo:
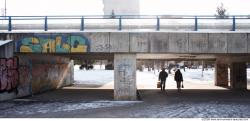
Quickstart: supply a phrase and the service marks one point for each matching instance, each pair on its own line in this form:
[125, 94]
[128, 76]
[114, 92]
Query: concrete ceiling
[176, 56]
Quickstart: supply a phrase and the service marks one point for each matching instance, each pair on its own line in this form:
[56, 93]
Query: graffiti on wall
[50, 43]
[24, 86]
[9, 75]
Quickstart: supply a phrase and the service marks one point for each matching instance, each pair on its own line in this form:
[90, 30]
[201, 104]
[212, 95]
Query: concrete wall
[9, 75]
[134, 42]
[39, 73]
[50, 43]
[238, 76]
[221, 74]
[6, 48]
[47, 72]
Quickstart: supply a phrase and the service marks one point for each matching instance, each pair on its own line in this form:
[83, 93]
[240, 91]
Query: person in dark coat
[178, 78]
[162, 77]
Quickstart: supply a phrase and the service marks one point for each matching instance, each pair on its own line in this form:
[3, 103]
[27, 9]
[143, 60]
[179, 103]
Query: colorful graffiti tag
[9, 75]
[51, 43]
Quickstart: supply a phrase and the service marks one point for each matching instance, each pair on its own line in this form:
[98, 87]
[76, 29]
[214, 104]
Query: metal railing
[8, 20]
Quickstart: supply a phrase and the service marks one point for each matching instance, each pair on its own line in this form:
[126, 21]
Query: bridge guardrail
[8, 20]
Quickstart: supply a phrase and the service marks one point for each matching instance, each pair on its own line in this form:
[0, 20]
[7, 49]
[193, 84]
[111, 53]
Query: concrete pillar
[238, 76]
[221, 74]
[125, 77]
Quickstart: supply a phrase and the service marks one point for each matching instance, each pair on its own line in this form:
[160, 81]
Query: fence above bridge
[125, 22]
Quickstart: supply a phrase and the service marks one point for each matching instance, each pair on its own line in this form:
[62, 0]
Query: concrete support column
[238, 76]
[125, 77]
[221, 74]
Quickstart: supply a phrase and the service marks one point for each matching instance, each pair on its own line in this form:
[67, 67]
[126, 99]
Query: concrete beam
[176, 56]
[151, 42]
[125, 77]
[198, 43]
[178, 42]
[217, 43]
[159, 42]
[237, 42]
[99, 42]
[232, 58]
[139, 42]
[119, 42]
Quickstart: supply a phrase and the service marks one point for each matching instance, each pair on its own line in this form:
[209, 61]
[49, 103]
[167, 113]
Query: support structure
[221, 74]
[238, 76]
[125, 77]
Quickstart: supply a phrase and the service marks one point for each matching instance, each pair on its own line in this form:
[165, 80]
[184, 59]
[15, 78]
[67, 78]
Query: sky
[151, 7]
[194, 7]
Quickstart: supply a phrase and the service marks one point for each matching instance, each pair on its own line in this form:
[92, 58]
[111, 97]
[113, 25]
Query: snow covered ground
[104, 79]
[31, 107]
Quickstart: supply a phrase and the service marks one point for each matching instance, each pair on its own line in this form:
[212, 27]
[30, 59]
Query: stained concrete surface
[190, 103]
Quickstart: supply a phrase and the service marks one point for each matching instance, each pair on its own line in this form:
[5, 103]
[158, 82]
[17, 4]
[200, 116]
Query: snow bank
[51, 107]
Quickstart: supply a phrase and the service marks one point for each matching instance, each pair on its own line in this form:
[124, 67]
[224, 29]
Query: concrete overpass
[44, 56]
[45, 45]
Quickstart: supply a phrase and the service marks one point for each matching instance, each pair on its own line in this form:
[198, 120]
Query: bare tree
[221, 11]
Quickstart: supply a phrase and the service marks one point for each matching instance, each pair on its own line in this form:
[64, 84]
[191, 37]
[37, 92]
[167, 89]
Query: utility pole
[202, 67]
[5, 10]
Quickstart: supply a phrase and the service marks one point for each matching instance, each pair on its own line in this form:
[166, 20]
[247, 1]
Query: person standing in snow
[162, 77]
[178, 78]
